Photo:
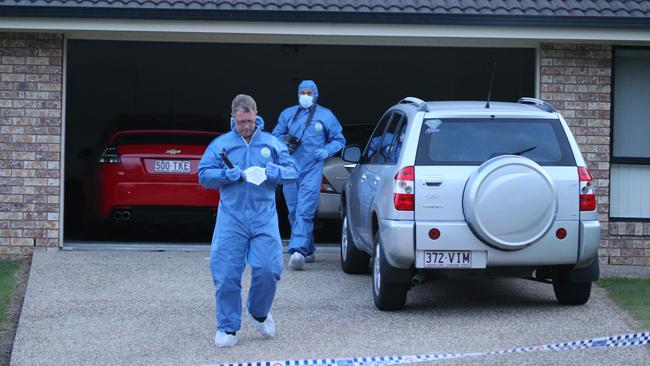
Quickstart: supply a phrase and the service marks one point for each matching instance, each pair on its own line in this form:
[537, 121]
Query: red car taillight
[404, 190]
[587, 194]
[326, 187]
[110, 156]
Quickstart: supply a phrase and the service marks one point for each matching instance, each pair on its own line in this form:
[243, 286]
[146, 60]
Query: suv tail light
[587, 194]
[110, 156]
[326, 187]
[404, 190]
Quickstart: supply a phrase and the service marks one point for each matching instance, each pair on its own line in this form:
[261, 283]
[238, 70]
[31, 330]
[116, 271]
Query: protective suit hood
[311, 85]
[259, 122]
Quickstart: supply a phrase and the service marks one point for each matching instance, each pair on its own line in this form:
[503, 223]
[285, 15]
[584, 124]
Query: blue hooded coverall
[247, 223]
[324, 131]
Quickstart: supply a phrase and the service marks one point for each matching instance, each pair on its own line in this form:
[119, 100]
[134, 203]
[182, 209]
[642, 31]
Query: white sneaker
[296, 261]
[311, 258]
[266, 328]
[224, 339]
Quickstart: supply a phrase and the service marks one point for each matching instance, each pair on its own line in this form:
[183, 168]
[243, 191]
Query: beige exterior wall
[575, 78]
[31, 80]
[629, 243]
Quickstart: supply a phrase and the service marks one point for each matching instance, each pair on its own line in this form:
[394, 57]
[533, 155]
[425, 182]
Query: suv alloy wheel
[353, 261]
[388, 296]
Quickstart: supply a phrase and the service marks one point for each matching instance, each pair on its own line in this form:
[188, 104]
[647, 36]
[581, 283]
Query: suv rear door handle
[432, 181]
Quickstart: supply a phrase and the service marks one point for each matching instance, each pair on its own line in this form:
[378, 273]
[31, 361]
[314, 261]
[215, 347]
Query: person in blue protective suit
[314, 134]
[247, 221]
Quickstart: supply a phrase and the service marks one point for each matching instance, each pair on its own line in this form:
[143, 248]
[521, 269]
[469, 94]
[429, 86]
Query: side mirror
[351, 153]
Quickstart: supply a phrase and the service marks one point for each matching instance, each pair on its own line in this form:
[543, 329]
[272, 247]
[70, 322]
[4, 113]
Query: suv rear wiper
[526, 150]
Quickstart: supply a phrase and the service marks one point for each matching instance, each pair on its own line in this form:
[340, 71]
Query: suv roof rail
[545, 106]
[422, 105]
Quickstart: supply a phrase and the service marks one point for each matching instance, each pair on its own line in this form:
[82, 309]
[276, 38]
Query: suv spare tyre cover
[510, 202]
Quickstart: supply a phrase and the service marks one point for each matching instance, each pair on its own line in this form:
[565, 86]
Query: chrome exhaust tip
[418, 279]
[126, 215]
[117, 216]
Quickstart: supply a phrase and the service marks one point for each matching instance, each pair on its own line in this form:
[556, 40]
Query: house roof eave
[327, 17]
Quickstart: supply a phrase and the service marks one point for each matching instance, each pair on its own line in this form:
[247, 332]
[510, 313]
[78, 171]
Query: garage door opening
[112, 83]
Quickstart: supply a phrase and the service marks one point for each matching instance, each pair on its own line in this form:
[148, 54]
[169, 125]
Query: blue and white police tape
[625, 340]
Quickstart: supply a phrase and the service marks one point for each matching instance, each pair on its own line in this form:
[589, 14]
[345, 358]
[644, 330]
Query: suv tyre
[388, 296]
[505, 223]
[353, 261]
[568, 291]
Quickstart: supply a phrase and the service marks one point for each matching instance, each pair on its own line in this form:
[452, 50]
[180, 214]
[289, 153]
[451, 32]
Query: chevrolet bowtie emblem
[173, 151]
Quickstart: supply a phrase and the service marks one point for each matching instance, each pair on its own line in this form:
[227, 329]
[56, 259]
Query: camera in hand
[292, 143]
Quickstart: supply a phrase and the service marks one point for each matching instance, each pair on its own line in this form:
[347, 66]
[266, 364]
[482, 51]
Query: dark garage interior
[109, 79]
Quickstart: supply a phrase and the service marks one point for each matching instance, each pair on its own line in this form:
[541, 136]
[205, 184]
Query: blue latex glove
[321, 154]
[272, 171]
[234, 173]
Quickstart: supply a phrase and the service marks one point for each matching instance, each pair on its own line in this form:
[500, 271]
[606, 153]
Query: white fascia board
[64, 93]
[319, 33]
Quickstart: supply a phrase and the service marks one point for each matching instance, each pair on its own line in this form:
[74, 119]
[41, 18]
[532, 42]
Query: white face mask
[305, 100]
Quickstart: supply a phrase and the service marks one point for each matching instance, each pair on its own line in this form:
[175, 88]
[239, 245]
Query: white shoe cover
[224, 339]
[297, 261]
[267, 328]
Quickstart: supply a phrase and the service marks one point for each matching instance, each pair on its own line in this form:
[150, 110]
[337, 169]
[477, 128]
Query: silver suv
[336, 171]
[457, 189]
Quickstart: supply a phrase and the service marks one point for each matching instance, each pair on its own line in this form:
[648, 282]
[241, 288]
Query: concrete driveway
[156, 308]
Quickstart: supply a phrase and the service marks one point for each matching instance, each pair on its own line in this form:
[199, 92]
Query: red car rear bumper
[169, 196]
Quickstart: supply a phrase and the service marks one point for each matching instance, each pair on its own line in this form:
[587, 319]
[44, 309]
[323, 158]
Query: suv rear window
[472, 141]
[162, 138]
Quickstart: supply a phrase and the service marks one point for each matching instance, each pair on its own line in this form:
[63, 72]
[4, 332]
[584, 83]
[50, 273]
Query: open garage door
[154, 85]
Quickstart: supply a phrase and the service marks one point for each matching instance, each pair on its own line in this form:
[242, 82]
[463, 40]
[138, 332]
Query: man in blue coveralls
[247, 221]
[313, 134]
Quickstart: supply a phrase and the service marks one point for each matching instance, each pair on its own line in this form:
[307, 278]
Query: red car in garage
[146, 171]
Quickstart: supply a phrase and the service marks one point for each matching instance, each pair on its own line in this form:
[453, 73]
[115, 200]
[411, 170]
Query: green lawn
[632, 294]
[7, 284]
